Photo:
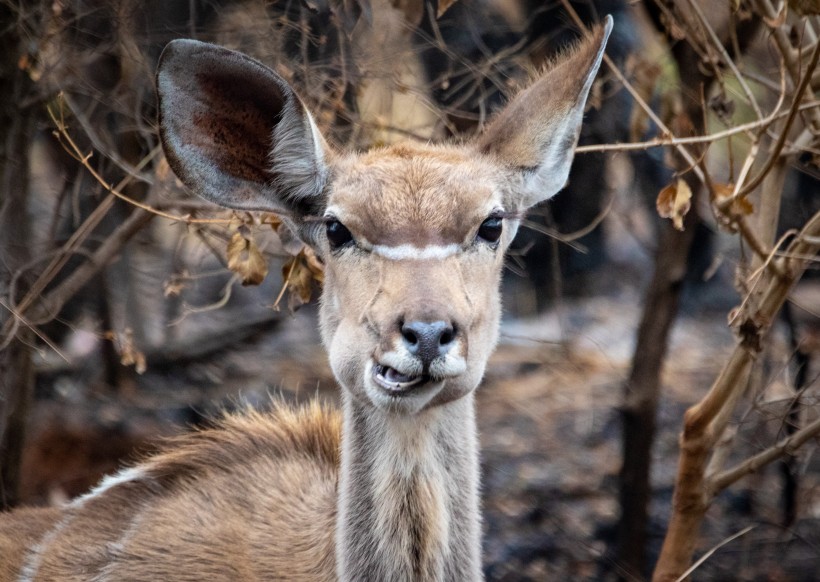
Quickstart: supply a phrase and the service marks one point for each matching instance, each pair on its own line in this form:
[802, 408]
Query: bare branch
[707, 139]
[790, 57]
[714, 549]
[705, 421]
[785, 447]
[74, 150]
[778, 146]
[46, 307]
[726, 58]
[684, 153]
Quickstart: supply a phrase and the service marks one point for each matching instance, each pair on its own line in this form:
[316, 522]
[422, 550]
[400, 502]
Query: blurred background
[687, 234]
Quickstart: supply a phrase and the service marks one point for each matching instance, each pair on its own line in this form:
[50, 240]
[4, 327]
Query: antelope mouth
[394, 382]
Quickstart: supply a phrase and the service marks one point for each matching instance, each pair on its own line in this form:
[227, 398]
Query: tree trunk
[641, 393]
[20, 23]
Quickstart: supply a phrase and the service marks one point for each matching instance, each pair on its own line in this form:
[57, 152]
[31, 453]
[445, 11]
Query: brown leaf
[299, 281]
[245, 259]
[29, 65]
[740, 206]
[273, 219]
[316, 267]
[674, 201]
[174, 286]
[300, 273]
[722, 191]
[129, 354]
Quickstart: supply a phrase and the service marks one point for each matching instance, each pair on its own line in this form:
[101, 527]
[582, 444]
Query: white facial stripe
[411, 252]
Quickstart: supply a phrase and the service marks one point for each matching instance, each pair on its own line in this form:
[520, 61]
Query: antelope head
[412, 236]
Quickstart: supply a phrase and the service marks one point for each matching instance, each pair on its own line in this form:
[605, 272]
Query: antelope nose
[428, 340]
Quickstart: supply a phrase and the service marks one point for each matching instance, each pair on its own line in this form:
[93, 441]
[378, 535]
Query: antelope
[412, 237]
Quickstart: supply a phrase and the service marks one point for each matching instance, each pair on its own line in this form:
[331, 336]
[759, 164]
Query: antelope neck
[408, 494]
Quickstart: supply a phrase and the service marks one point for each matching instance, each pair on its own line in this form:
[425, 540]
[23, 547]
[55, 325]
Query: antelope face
[414, 238]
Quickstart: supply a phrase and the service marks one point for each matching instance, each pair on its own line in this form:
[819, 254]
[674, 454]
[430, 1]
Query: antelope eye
[490, 229]
[337, 234]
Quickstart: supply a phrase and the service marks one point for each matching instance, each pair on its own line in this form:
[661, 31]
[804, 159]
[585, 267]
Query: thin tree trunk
[642, 390]
[19, 22]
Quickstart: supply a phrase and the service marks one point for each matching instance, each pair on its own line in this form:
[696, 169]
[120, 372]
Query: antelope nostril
[409, 335]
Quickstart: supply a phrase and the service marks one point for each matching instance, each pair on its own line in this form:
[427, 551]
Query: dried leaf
[129, 354]
[300, 273]
[273, 219]
[300, 282]
[674, 201]
[245, 259]
[29, 65]
[740, 206]
[315, 265]
[722, 191]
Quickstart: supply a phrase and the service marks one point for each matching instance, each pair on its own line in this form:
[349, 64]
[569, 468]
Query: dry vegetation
[128, 307]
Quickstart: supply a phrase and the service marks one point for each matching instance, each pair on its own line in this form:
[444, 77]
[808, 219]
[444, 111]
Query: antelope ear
[536, 133]
[235, 132]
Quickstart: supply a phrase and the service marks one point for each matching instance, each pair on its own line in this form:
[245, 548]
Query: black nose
[428, 340]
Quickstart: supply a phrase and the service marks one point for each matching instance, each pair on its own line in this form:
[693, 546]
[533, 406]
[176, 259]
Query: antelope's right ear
[236, 134]
[536, 134]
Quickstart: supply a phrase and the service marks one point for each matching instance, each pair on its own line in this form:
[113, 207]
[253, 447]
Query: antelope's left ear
[536, 133]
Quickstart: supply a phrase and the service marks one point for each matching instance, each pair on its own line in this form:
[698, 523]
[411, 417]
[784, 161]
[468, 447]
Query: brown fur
[18, 532]
[211, 476]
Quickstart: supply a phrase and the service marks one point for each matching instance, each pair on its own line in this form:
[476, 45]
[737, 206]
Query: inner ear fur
[235, 132]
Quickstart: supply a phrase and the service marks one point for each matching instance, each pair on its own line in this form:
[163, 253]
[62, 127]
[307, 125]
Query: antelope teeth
[394, 381]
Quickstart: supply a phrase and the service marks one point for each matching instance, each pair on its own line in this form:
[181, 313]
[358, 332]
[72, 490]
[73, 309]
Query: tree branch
[785, 447]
